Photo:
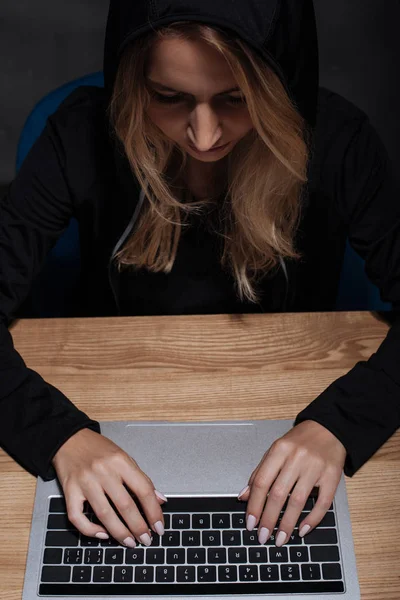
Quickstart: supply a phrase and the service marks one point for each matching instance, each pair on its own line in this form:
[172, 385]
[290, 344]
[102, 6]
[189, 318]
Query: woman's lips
[210, 151]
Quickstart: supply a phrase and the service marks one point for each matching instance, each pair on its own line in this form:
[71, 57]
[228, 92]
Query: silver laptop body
[191, 459]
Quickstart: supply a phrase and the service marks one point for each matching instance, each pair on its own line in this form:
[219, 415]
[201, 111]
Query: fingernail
[102, 536]
[280, 540]
[251, 522]
[145, 539]
[243, 491]
[304, 530]
[130, 542]
[263, 535]
[160, 495]
[159, 527]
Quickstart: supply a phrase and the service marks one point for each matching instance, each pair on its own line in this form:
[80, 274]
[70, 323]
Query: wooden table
[208, 368]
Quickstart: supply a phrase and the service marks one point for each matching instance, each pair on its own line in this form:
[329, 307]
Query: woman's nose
[204, 131]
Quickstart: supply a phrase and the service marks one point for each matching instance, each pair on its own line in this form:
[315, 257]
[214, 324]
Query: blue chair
[52, 290]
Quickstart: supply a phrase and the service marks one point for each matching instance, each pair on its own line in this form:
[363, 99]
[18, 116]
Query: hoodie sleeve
[362, 408]
[35, 417]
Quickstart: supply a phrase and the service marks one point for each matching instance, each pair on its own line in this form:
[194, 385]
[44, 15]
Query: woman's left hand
[308, 456]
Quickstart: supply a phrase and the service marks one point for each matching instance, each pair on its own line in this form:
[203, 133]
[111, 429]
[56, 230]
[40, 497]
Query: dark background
[45, 43]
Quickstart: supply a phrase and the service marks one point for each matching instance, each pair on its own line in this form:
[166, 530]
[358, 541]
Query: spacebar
[168, 589]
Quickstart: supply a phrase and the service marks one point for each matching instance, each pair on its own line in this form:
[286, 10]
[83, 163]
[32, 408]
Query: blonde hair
[267, 168]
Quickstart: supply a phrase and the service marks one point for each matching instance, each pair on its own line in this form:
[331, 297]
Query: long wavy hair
[258, 214]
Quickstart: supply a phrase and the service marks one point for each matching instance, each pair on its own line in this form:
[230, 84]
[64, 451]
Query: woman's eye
[180, 98]
[167, 99]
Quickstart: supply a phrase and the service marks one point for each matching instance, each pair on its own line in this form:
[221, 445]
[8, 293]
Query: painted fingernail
[304, 530]
[145, 539]
[251, 522]
[159, 527]
[280, 540]
[102, 536]
[263, 535]
[244, 490]
[160, 495]
[130, 542]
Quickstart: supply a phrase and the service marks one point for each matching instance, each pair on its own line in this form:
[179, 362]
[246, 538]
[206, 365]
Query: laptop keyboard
[206, 549]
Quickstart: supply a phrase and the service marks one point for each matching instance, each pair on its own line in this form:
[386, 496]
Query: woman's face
[204, 108]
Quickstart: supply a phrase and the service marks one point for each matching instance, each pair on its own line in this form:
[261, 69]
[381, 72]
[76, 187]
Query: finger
[75, 500]
[297, 501]
[145, 493]
[160, 497]
[107, 515]
[327, 488]
[277, 497]
[265, 476]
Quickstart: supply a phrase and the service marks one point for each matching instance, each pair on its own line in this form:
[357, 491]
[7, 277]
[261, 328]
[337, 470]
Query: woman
[172, 223]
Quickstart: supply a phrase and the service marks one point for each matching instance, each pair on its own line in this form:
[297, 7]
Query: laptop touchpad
[194, 458]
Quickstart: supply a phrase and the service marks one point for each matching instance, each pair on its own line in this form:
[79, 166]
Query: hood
[283, 32]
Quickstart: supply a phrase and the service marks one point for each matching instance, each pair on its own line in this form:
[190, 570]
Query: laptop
[206, 550]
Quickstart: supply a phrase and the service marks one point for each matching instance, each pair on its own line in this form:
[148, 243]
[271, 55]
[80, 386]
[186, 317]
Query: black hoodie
[76, 169]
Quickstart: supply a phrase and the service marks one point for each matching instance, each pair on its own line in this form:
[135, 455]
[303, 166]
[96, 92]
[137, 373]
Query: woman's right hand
[88, 466]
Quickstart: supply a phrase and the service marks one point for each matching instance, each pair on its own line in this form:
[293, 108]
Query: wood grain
[209, 368]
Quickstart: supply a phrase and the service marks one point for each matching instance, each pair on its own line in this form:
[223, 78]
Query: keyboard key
[250, 538]
[59, 521]
[155, 557]
[206, 574]
[52, 556]
[90, 541]
[123, 574]
[81, 574]
[278, 555]
[310, 572]
[171, 538]
[73, 556]
[196, 555]
[111, 542]
[321, 536]
[269, 573]
[290, 572]
[239, 520]
[93, 556]
[248, 573]
[237, 555]
[227, 573]
[175, 556]
[294, 539]
[114, 557]
[201, 521]
[156, 540]
[231, 538]
[216, 555]
[134, 556]
[328, 520]
[298, 554]
[211, 538]
[167, 521]
[165, 574]
[101, 574]
[56, 574]
[62, 538]
[144, 574]
[331, 571]
[185, 574]
[180, 521]
[190, 538]
[325, 554]
[271, 540]
[221, 521]
[57, 505]
[258, 555]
